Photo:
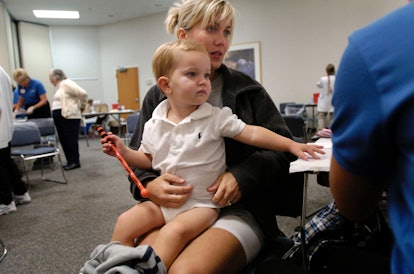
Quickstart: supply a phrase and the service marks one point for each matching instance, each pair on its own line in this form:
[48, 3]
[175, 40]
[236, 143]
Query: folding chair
[47, 131]
[297, 127]
[27, 145]
[131, 123]
[282, 107]
[3, 251]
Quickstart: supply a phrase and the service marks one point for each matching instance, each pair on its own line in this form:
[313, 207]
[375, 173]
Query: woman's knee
[214, 251]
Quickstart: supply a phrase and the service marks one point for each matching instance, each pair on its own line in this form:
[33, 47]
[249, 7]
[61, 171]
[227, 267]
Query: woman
[68, 102]
[236, 238]
[12, 189]
[325, 108]
[32, 96]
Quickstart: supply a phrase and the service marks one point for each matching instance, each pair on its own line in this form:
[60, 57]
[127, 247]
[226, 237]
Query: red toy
[144, 192]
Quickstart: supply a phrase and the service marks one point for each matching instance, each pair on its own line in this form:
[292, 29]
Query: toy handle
[144, 192]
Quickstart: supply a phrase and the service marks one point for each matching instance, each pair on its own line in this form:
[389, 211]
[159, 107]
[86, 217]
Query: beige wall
[298, 38]
[6, 55]
[36, 56]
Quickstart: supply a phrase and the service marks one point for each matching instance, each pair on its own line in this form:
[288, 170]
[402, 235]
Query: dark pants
[68, 132]
[10, 178]
[42, 112]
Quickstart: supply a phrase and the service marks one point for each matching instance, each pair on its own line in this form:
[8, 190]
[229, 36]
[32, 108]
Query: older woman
[67, 105]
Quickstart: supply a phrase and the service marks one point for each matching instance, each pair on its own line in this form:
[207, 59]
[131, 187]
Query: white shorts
[244, 227]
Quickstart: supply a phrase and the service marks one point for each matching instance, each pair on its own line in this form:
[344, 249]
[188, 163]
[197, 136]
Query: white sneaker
[6, 209]
[22, 199]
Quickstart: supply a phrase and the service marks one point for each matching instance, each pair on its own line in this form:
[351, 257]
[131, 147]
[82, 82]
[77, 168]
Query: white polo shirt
[193, 149]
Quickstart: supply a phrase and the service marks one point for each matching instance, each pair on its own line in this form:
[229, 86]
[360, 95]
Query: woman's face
[216, 38]
[25, 82]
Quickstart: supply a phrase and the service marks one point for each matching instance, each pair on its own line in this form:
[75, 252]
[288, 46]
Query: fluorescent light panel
[62, 14]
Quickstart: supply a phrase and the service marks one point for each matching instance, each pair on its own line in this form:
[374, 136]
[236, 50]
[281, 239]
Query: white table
[311, 166]
[116, 114]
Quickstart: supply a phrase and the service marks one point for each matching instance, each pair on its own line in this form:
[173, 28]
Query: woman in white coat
[68, 102]
[325, 108]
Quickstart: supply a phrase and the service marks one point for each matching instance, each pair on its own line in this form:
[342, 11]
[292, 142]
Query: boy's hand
[300, 150]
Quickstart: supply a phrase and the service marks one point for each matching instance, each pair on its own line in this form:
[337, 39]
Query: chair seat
[36, 151]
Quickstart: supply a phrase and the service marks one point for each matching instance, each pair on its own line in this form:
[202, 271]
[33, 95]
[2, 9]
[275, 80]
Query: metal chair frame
[3, 251]
[27, 145]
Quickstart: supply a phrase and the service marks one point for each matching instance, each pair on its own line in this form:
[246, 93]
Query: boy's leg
[137, 221]
[176, 234]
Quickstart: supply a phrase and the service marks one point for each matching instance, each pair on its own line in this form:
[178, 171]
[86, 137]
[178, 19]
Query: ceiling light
[62, 14]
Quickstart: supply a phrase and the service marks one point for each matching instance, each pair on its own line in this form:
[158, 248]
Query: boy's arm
[138, 158]
[267, 139]
[263, 138]
[112, 145]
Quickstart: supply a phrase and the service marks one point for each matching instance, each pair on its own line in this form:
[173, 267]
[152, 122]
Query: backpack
[337, 245]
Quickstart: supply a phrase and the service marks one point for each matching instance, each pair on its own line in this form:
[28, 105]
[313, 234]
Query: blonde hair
[164, 57]
[20, 74]
[189, 13]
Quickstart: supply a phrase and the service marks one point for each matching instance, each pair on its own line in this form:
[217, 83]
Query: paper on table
[313, 165]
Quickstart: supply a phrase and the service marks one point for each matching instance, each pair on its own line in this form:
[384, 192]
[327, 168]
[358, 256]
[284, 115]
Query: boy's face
[189, 82]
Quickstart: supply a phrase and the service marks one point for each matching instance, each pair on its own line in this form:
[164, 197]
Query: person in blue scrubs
[32, 95]
[373, 133]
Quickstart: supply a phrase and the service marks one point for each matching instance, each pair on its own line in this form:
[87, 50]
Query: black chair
[131, 123]
[297, 127]
[282, 106]
[270, 258]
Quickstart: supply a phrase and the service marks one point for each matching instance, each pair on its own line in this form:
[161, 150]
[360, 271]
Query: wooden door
[128, 88]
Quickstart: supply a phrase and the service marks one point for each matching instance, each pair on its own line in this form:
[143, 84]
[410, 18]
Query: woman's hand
[226, 190]
[168, 190]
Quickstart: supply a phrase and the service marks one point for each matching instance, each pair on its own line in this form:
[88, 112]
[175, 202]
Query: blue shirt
[373, 128]
[31, 94]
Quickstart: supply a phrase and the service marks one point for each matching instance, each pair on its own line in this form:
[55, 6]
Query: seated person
[185, 138]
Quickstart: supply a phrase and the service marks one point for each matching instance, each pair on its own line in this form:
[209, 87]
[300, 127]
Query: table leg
[303, 220]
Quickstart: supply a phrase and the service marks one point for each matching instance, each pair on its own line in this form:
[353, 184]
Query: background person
[32, 95]
[325, 108]
[12, 189]
[373, 133]
[68, 102]
[255, 179]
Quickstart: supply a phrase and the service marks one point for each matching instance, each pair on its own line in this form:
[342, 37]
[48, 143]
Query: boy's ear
[162, 82]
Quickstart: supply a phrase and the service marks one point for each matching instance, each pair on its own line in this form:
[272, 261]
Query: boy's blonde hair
[164, 57]
[189, 13]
